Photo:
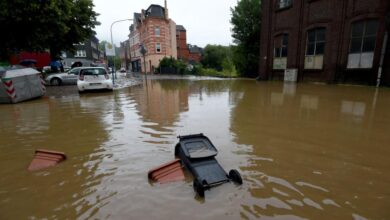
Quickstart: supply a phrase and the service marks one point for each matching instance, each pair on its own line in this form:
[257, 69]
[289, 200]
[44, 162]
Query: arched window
[315, 47]
[362, 44]
[280, 51]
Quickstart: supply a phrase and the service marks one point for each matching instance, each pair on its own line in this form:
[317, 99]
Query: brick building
[325, 40]
[187, 52]
[124, 54]
[154, 30]
[181, 41]
[195, 53]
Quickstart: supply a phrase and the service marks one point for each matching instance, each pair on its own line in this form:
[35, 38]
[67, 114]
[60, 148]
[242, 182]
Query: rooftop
[180, 28]
[155, 11]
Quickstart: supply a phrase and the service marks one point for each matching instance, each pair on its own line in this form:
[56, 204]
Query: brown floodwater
[305, 151]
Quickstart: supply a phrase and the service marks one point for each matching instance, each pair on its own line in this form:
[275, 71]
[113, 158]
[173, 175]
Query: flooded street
[304, 151]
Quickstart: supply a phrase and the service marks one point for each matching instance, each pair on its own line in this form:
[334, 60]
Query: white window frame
[81, 53]
[157, 31]
[158, 48]
[362, 59]
[315, 60]
[280, 59]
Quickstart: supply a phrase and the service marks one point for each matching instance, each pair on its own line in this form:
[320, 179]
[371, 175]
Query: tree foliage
[246, 21]
[37, 25]
[214, 56]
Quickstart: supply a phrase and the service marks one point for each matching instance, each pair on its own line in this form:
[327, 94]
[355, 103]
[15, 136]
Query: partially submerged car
[94, 78]
[197, 153]
[68, 78]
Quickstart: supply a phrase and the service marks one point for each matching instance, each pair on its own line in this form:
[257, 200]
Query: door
[71, 77]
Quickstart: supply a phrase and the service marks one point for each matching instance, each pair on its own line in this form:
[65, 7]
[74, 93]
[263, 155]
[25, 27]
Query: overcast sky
[206, 21]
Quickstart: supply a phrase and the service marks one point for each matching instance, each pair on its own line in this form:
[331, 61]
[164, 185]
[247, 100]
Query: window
[157, 31]
[74, 71]
[80, 53]
[362, 44]
[284, 3]
[315, 47]
[158, 48]
[93, 45]
[280, 52]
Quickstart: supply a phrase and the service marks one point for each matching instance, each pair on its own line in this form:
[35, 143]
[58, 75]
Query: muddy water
[305, 152]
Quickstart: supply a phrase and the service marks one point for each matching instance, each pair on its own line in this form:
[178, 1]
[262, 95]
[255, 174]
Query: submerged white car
[94, 78]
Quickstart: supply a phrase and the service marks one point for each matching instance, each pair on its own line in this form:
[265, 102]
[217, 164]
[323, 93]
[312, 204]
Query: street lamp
[112, 43]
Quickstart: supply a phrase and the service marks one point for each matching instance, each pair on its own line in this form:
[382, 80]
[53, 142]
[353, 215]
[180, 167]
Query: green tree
[214, 56]
[246, 21]
[102, 45]
[37, 25]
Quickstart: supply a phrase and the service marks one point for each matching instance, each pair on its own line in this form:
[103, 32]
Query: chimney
[166, 9]
[142, 15]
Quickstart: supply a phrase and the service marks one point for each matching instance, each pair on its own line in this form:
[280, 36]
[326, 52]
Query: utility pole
[143, 52]
[112, 43]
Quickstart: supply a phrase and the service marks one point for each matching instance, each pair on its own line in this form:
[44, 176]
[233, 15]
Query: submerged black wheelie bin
[197, 153]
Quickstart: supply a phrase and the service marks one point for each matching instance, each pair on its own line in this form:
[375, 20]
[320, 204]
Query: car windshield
[93, 72]
[74, 71]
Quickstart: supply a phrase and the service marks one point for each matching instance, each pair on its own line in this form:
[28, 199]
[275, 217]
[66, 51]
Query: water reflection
[299, 144]
[305, 151]
[65, 125]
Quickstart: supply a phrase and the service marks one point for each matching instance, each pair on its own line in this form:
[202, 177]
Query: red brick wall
[182, 49]
[194, 57]
[334, 15]
[147, 35]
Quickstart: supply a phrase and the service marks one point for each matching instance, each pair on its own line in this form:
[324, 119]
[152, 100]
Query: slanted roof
[180, 28]
[155, 11]
[194, 50]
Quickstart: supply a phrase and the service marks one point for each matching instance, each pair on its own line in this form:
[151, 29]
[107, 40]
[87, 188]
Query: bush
[173, 66]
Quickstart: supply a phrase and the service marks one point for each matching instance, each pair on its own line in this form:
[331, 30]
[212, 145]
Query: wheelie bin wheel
[198, 188]
[235, 176]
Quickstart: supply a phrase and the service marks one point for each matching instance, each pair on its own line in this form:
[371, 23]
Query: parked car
[94, 78]
[122, 70]
[69, 78]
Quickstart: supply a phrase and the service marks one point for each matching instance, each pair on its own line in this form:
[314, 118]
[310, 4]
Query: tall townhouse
[186, 52]
[135, 44]
[334, 41]
[181, 40]
[156, 32]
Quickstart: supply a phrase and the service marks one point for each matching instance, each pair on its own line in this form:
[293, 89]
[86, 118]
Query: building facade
[181, 41]
[135, 44]
[87, 53]
[124, 54]
[154, 31]
[186, 52]
[325, 40]
[195, 54]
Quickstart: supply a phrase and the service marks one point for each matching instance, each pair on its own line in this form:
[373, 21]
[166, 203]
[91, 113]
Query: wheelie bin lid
[197, 146]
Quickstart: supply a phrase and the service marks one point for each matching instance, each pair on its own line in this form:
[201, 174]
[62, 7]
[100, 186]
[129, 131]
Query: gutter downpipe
[384, 45]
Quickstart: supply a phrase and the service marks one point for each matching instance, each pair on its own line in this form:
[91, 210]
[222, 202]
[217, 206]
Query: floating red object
[168, 172]
[46, 158]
